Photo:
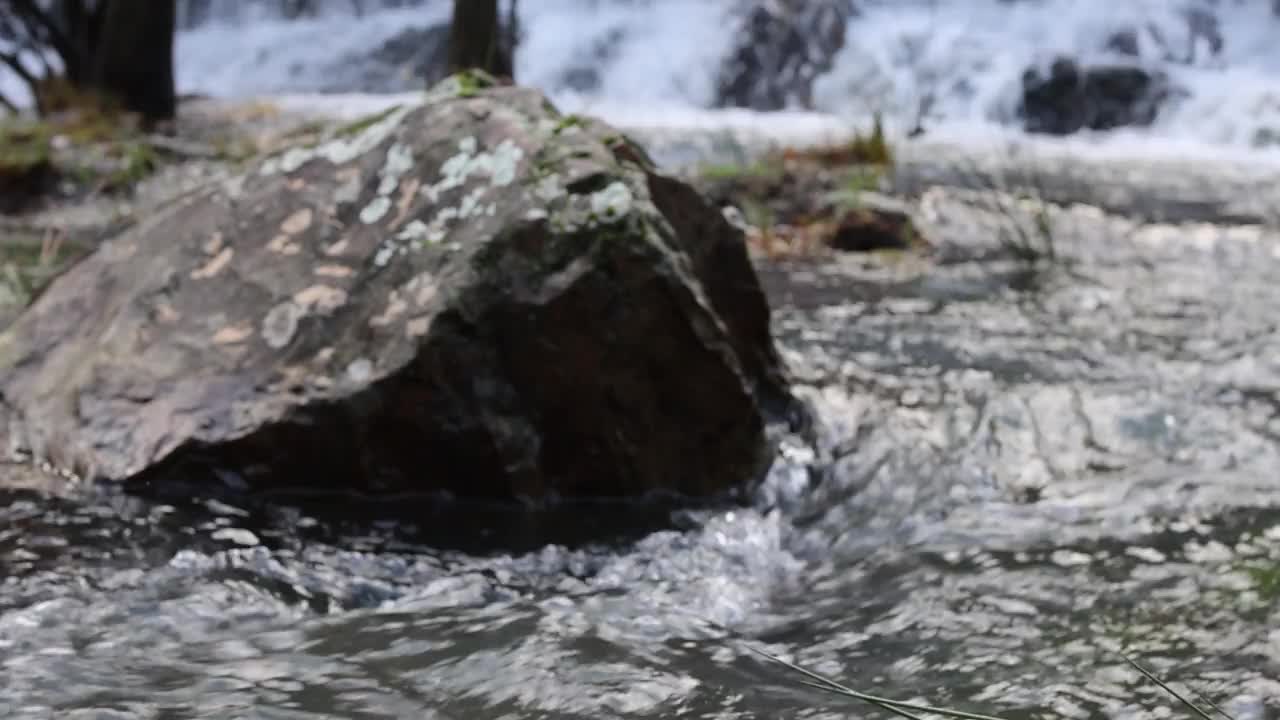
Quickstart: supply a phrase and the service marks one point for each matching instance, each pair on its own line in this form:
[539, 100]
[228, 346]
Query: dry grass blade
[888, 707]
[897, 707]
[1164, 686]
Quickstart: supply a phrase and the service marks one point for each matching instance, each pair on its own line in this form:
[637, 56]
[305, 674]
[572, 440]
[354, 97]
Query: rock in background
[473, 295]
[783, 47]
[1074, 97]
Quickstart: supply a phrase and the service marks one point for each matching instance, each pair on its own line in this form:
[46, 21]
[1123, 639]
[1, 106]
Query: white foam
[274, 56]
[657, 61]
[969, 55]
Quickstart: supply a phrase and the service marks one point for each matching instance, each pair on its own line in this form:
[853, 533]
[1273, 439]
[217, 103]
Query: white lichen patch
[214, 266]
[375, 210]
[399, 161]
[294, 158]
[322, 298]
[438, 228]
[535, 214]
[506, 162]
[347, 192]
[341, 150]
[549, 188]
[470, 203]
[612, 203]
[416, 231]
[500, 166]
[298, 221]
[360, 370]
[281, 324]
[493, 169]
[385, 252]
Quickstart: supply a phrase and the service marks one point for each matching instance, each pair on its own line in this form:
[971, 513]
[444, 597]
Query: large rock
[784, 46]
[409, 59]
[1074, 97]
[474, 295]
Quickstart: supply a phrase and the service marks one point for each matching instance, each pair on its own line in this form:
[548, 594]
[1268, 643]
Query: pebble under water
[1015, 474]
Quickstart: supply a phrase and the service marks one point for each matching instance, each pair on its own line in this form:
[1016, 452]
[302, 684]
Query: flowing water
[1014, 474]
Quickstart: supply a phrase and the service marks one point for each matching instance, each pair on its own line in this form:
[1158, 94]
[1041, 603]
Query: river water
[1014, 474]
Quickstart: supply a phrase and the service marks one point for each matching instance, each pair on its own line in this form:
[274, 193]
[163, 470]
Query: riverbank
[212, 138]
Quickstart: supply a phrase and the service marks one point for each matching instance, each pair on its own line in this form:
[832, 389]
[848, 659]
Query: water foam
[654, 64]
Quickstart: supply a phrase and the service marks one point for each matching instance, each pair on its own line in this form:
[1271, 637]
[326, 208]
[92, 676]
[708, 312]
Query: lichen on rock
[611, 203]
[470, 294]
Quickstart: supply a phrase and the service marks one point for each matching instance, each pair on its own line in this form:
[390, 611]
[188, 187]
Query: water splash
[953, 64]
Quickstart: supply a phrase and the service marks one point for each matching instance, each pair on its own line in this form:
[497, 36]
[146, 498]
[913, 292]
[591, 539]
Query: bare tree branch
[15, 64]
[36, 19]
[9, 104]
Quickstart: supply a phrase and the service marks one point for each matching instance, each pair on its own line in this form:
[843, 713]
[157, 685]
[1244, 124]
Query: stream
[1015, 475]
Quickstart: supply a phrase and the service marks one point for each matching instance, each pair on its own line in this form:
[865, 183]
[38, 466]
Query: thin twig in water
[897, 707]
[1164, 686]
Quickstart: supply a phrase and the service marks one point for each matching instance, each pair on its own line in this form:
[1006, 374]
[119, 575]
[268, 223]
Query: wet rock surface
[1071, 97]
[472, 295]
[414, 57]
[785, 46]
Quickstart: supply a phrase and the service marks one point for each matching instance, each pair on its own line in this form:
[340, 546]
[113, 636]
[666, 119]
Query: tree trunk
[134, 60]
[475, 39]
[82, 26]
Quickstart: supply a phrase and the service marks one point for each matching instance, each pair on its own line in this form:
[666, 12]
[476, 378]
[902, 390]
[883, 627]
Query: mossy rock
[462, 296]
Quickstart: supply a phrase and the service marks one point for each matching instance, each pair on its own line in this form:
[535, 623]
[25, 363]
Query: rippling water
[1014, 475]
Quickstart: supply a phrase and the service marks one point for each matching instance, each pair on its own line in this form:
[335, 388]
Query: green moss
[137, 161]
[872, 149]
[29, 261]
[568, 121]
[1266, 580]
[236, 150]
[365, 122]
[26, 163]
[865, 178]
[24, 147]
[473, 81]
[757, 214]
